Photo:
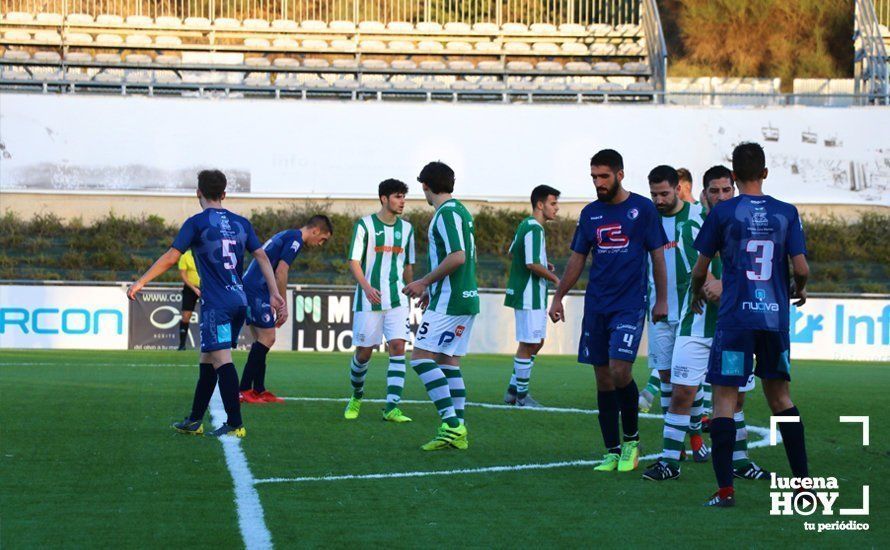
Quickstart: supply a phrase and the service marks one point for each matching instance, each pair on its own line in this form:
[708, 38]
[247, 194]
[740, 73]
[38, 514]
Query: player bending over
[451, 300]
[381, 258]
[621, 229]
[218, 239]
[527, 291]
[755, 235]
[282, 249]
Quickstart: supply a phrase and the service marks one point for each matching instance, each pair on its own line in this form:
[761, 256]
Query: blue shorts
[259, 308]
[220, 327]
[731, 362]
[614, 335]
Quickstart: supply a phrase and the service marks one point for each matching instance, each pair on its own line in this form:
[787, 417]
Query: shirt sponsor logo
[610, 237]
[387, 248]
[470, 293]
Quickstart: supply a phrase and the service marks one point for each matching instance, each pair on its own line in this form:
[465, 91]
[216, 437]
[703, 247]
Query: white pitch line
[251, 520]
[86, 363]
[498, 406]
[762, 432]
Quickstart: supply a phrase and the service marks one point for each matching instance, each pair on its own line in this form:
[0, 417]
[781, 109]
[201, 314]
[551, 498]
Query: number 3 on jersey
[763, 260]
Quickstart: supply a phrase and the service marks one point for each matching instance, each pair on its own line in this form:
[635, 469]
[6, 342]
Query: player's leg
[265, 339]
[531, 327]
[261, 321]
[396, 330]
[773, 368]
[449, 359]
[229, 323]
[626, 329]
[523, 397]
[367, 334]
[395, 382]
[700, 451]
[652, 389]
[730, 365]
[707, 406]
[184, 328]
[660, 349]
[743, 467]
[193, 423]
[593, 349]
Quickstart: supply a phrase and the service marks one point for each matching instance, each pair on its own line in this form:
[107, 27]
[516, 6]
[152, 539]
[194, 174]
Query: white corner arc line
[761, 431]
[251, 519]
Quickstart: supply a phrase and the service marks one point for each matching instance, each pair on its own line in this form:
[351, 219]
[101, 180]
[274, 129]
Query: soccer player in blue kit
[282, 249]
[620, 228]
[755, 235]
[217, 239]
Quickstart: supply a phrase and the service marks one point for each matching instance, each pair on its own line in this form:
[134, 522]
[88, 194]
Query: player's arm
[408, 274]
[534, 255]
[355, 268]
[659, 274]
[800, 270]
[544, 272]
[281, 271]
[161, 265]
[449, 265]
[277, 301]
[697, 282]
[569, 278]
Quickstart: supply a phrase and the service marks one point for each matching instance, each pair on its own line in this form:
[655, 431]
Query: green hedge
[845, 257]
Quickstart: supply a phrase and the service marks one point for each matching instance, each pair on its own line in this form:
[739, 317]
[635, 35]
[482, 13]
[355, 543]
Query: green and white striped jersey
[676, 255]
[451, 230]
[702, 325]
[525, 290]
[383, 251]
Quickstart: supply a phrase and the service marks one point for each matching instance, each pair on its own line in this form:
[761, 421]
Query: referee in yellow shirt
[191, 291]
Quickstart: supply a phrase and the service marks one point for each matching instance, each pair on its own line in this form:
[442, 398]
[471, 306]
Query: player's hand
[133, 290]
[424, 301]
[698, 303]
[280, 317]
[197, 291]
[713, 290]
[801, 296]
[373, 294]
[278, 303]
[556, 312]
[659, 311]
[415, 289]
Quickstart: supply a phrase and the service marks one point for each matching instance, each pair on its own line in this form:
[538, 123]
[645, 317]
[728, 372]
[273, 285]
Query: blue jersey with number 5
[218, 239]
[755, 235]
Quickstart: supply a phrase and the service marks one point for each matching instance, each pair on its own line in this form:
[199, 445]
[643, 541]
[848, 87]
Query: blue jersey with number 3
[218, 239]
[755, 235]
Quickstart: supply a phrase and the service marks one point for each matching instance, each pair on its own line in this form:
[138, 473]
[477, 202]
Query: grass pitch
[88, 459]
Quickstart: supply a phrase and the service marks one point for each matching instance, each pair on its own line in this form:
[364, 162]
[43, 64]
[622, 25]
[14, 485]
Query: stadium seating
[291, 50]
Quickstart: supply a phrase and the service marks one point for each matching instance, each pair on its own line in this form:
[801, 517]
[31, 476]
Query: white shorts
[661, 344]
[690, 362]
[370, 327]
[531, 325]
[446, 334]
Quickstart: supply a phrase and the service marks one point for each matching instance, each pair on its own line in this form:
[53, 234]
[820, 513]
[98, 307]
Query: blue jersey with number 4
[284, 246]
[755, 235]
[218, 239]
[621, 237]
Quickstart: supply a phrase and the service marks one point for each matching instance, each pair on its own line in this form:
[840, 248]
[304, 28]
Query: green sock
[653, 384]
[675, 427]
[395, 382]
[436, 385]
[697, 412]
[357, 373]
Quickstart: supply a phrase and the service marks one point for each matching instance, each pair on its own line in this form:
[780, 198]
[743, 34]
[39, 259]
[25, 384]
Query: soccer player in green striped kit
[450, 299]
[381, 258]
[677, 216]
[527, 291]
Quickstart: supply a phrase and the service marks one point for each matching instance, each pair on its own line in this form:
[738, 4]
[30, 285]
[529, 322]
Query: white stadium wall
[101, 317]
[341, 149]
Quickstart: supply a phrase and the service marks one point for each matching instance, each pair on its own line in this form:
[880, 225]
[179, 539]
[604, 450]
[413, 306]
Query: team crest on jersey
[398, 234]
[459, 330]
[633, 213]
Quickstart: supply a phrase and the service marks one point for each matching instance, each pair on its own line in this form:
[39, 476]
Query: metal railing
[657, 49]
[882, 11]
[556, 12]
[870, 55]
